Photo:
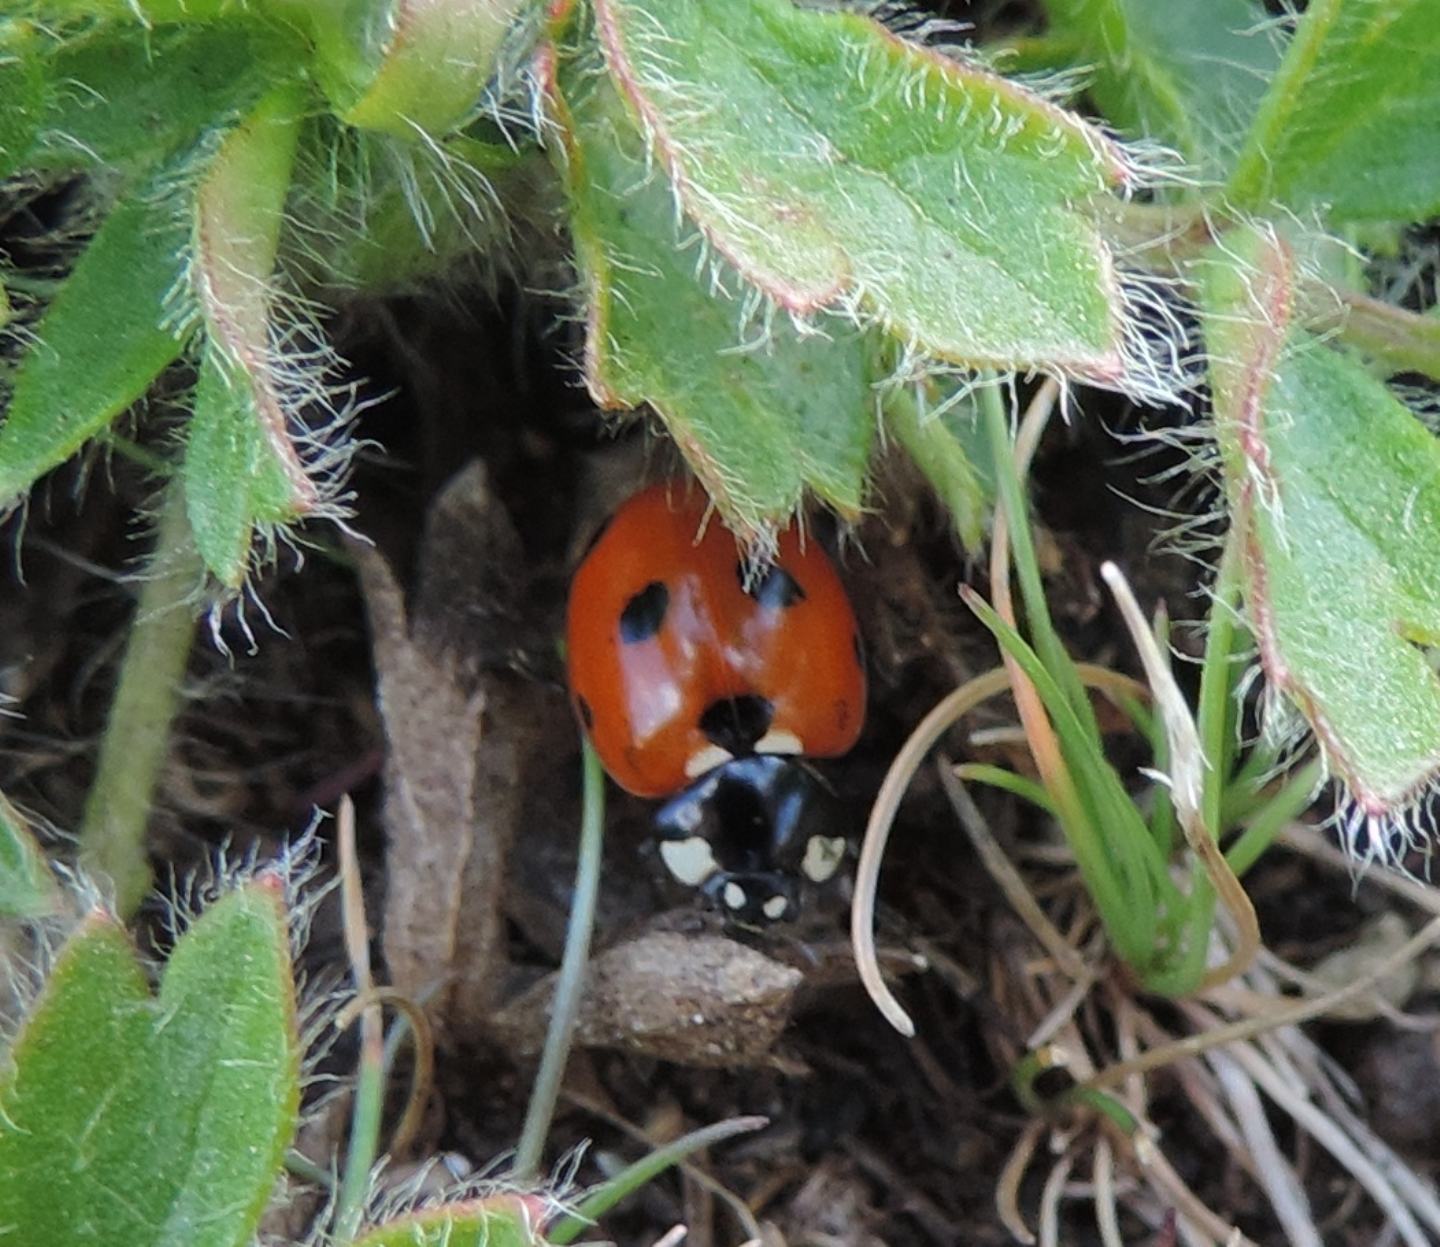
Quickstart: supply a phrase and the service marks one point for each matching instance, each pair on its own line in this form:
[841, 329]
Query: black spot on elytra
[774, 589]
[736, 723]
[587, 716]
[644, 613]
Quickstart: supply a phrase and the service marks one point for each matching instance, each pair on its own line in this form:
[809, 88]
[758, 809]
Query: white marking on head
[776, 741]
[690, 860]
[734, 895]
[706, 759]
[823, 855]
[775, 908]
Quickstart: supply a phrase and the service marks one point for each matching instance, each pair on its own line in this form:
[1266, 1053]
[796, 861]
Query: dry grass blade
[1248, 1028]
[949, 711]
[1187, 777]
[1282, 1185]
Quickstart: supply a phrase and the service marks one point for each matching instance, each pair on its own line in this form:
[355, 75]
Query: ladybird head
[750, 834]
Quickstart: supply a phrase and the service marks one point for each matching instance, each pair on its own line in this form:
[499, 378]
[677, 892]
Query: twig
[1011, 882]
[1304, 839]
[423, 1074]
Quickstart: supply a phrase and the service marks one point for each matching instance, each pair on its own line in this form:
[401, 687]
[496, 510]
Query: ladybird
[703, 678]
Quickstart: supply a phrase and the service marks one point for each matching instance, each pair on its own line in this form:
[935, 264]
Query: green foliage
[838, 166]
[1334, 491]
[759, 421]
[242, 467]
[187, 120]
[102, 341]
[123, 99]
[154, 1120]
[1190, 73]
[26, 888]
[1350, 121]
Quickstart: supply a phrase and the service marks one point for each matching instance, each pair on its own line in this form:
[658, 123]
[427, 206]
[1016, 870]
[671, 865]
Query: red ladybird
[696, 674]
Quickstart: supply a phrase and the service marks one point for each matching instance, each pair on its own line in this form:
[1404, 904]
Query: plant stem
[939, 455]
[1402, 340]
[1216, 682]
[571, 981]
[369, 1098]
[147, 697]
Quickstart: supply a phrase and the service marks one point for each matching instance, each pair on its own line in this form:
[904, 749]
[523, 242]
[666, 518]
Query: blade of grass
[1264, 827]
[633, 1177]
[369, 1098]
[571, 983]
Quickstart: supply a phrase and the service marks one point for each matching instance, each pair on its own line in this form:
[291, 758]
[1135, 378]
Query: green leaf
[100, 343]
[126, 98]
[233, 478]
[501, 1221]
[26, 888]
[839, 167]
[384, 218]
[420, 72]
[1188, 72]
[241, 464]
[154, 1122]
[761, 410]
[1335, 488]
[1351, 120]
[22, 90]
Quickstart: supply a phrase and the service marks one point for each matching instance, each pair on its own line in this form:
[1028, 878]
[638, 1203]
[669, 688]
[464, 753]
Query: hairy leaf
[125, 98]
[233, 479]
[413, 68]
[383, 218]
[1335, 489]
[22, 90]
[1188, 72]
[145, 1121]
[1351, 120]
[26, 888]
[100, 343]
[241, 464]
[761, 410]
[839, 167]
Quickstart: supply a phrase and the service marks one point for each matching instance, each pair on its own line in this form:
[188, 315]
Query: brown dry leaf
[703, 1000]
[459, 730]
